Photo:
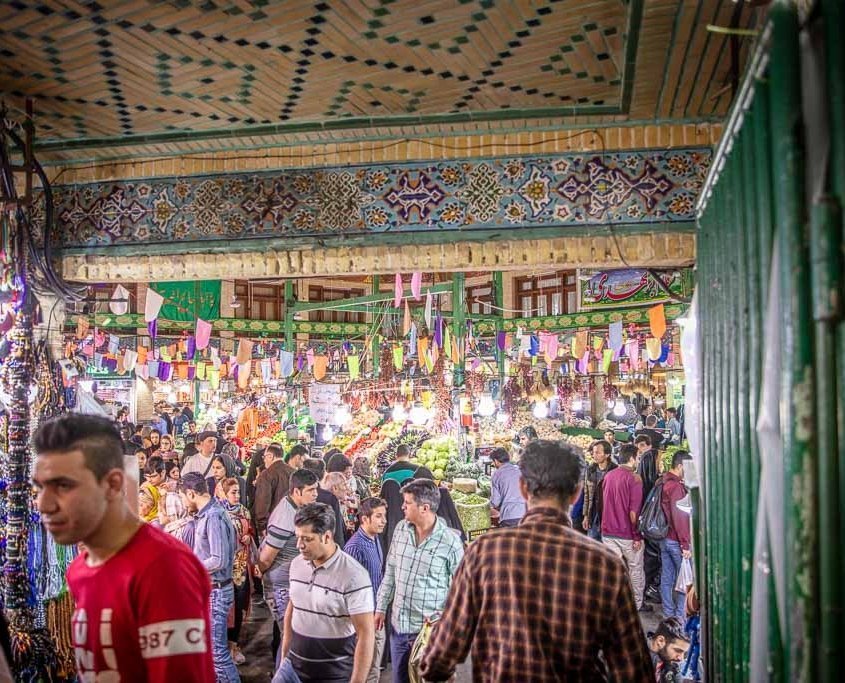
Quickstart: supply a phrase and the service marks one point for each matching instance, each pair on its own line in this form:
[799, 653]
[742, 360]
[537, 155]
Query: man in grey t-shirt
[279, 545]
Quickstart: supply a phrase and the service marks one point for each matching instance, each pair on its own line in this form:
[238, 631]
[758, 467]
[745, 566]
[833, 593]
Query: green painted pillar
[798, 407]
[459, 325]
[290, 342]
[375, 346]
[499, 303]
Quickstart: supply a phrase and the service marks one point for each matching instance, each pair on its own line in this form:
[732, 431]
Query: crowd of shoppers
[338, 594]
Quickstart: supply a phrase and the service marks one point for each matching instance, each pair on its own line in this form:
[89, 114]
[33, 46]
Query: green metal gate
[758, 212]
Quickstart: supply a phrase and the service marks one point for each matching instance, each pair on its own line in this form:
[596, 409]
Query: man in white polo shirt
[329, 633]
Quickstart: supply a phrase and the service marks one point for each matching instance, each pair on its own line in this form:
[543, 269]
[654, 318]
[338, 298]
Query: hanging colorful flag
[534, 347]
[244, 371]
[416, 285]
[398, 357]
[129, 359]
[579, 346]
[422, 348]
[244, 351]
[309, 357]
[406, 320]
[152, 329]
[447, 343]
[321, 364]
[114, 343]
[657, 320]
[190, 348]
[652, 345]
[203, 333]
[286, 361]
[354, 365]
[429, 362]
[397, 291]
[152, 305]
[142, 371]
[82, 327]
[607, 359]
[412, 344]
[202, 369]
[598, 344]
[456, 351]
[214, 379]
[428, 305]
[614, 333]
[266, 370]
[501, 340]
[119, 305]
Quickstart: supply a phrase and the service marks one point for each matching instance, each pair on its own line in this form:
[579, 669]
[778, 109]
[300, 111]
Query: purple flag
[152, 328]
[501, 340]
[192, 348]
[192, 372]
[438, 331]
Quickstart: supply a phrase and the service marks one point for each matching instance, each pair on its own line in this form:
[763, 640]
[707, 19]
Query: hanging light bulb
[328, 434]
[610, 404]
[620, 409]
[399, 414]
[577, 404]
[486, 407]
[171, 397]
[342, 415]
[501, 417]
[418, 414]
[541, 410]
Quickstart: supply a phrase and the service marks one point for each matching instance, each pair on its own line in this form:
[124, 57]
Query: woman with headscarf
[152, 489]
[222, 467]
[166, 450]
[230, 498]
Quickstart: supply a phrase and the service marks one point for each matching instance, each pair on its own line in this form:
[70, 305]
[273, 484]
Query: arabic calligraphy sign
[631, 287]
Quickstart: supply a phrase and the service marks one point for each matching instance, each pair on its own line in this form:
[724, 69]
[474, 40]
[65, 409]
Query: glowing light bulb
[577, 404]
[502, 417]
[171, 397]
[620, 409]
[399, 414]
[541, 410]
[610, 404]
[342, 416]
[328, 434]
[418, 414]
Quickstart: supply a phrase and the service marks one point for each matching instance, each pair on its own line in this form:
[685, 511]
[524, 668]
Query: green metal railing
[756, 200]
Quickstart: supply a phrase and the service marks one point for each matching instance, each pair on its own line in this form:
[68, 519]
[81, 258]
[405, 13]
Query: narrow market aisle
[258, 632]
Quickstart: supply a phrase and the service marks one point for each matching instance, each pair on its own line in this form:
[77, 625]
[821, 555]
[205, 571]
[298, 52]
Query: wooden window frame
[544, 294]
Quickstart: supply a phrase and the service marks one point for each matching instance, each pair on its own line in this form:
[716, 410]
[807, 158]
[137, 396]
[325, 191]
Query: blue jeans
[286, 673]
[222, 600]
[594, 531]
[400, 654]
[670, 567]
[277, 602]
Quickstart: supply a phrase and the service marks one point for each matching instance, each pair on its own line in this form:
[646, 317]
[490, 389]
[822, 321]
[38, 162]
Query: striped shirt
[368, 553]
[417, 577]
[323, 599]
[282, 537]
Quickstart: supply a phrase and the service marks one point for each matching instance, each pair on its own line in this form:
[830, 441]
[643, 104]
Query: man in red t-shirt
[142, 598]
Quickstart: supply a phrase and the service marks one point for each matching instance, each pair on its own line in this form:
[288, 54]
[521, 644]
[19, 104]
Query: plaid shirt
[417, 577]
[538, 603]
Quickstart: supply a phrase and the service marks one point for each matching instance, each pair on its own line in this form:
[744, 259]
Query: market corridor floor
[258, 632]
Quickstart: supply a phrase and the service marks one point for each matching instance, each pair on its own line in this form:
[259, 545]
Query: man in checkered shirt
[423, 557]
[541, 602]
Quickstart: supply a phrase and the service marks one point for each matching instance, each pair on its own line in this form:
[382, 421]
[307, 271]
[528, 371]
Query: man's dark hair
[500, 455]
[338, 463]
[370, 505]
[424, 492]
[627, 453]
[671, 629]
[155, 465]
[651, 420]
[302, 478]
[96, 437]
[643, 438]
[672, 411]
[551, 469]
[529, 433]
[298, 449]
[679, 457]
[403, 451]
[610, 431]
[139, 428]
[276, 450]
[194, 481]
[315, 465]
[319, 516]
[605, 446]
[230, 428]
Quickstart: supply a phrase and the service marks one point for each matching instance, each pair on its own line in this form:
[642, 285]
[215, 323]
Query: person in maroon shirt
[622, 498]
[142, 597]
[676, 546]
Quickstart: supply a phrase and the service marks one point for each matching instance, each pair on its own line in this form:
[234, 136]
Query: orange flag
[422, 347]
[142, 355]
[320, 364]
[406, 322]
[657, 321]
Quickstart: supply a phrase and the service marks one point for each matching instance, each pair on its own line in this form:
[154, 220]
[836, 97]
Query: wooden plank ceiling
[176, 76]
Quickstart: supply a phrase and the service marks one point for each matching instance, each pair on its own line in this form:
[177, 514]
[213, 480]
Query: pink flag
[152, 305]
[416, 285]
[203, 333]
[397, 291]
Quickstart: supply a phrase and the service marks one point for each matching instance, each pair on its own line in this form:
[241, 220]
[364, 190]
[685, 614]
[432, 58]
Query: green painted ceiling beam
[483, 324]
[361, 301]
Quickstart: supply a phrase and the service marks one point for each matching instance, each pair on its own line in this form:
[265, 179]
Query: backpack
[653, 524]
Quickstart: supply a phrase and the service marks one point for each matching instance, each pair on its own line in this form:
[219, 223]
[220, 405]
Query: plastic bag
[685, 576]
[418, 650]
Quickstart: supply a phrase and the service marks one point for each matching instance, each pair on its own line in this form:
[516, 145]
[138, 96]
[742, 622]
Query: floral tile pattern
[636, 187]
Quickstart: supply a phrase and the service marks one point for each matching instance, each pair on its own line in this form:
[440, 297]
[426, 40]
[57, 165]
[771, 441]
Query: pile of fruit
[546, 429]
[583, 441]
[413, 437]
[436, 453]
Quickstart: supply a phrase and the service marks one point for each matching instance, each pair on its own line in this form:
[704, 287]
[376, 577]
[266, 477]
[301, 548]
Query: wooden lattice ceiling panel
[177, 71]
